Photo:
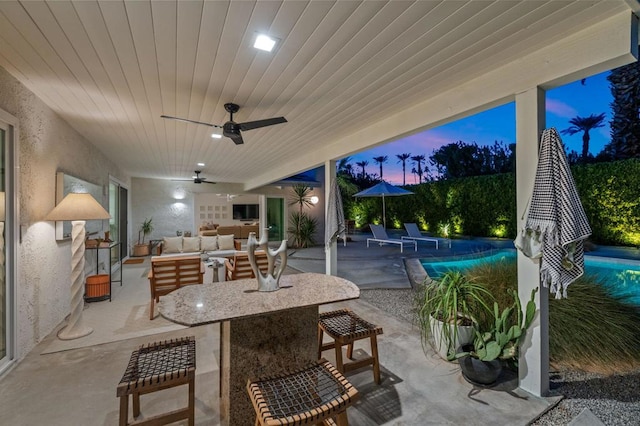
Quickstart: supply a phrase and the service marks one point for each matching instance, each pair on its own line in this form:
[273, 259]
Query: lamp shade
[76, 206]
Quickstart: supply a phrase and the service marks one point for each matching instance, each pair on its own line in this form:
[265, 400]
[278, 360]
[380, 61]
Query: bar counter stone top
[208, 303]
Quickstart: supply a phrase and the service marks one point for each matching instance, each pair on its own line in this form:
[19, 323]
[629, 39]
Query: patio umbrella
[335, 226]
[383, 189]
[556, 215]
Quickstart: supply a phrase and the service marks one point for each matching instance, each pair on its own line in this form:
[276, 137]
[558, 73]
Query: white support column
[331, 255]
[534, 351]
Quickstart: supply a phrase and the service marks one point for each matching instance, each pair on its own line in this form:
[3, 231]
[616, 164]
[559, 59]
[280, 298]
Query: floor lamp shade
[77, 208]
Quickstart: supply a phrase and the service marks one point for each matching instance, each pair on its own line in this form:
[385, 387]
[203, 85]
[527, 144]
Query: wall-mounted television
[246, 212]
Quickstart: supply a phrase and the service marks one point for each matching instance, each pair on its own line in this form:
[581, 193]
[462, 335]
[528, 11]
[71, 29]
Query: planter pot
[141, 250]
[97, 286]
[464, 336]
[477, 371]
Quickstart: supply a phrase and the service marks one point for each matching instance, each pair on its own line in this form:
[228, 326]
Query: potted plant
[302, 227]
[449, 309]
[142, 248]
[481, 362]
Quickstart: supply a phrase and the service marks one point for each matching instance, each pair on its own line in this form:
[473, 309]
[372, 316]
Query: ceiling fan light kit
[231, 129]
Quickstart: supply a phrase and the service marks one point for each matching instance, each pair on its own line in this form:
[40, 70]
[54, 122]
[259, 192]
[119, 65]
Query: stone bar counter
[261, 333]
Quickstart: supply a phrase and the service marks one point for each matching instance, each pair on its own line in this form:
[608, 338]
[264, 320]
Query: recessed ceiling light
[264, 42]
[200, 164]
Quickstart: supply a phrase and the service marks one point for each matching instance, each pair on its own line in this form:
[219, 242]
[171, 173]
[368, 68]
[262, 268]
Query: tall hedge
[486, 205]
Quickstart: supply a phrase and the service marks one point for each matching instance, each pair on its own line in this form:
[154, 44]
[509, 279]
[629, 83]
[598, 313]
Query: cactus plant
[503, 340]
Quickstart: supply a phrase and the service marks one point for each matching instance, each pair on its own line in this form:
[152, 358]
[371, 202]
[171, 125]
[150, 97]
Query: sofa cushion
[190, 244]
[209, 243]
[172, 245]
[225, 242]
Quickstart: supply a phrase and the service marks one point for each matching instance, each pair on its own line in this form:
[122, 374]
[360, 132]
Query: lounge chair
[380, 236]
[414, 234]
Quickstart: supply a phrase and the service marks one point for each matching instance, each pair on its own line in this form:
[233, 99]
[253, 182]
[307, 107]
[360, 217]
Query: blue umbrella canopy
[383, 189]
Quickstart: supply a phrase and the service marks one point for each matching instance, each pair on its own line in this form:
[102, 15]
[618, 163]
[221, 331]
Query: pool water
[622, 277]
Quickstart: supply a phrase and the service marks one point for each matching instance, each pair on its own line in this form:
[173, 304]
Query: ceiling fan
[231, 129]
[197, 178]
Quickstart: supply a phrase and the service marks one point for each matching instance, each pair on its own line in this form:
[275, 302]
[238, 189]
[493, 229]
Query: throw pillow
[225, 242]
[209, 243]
[191, 244]
[172, 245]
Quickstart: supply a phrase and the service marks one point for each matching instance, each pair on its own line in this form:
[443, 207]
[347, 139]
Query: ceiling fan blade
[249, 125]
[186, 120]
[235, 137]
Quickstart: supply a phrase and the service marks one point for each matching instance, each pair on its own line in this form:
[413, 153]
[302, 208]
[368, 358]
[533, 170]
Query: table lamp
[77, 208]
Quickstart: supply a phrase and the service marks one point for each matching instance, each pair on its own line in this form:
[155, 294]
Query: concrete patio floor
[78, 386]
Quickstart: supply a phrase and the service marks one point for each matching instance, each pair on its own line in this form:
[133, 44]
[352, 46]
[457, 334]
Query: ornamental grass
[592, 330]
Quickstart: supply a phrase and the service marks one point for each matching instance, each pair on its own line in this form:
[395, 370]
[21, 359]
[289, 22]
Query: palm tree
[381, 159]
[343, 165]
[402, 158]
[363, 164]
[419, 159]
[584, 124]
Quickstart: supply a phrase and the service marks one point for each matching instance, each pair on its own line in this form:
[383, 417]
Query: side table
[216, 264]
[111, 280]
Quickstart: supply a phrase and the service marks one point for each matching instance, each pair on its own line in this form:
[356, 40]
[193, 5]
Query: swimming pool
[622, 277]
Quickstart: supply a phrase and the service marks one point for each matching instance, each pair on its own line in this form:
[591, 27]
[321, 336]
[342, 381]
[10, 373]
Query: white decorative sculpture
[268, 281]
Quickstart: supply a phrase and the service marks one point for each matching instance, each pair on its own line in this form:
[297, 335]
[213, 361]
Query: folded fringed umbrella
[336, 225]
[556, 213]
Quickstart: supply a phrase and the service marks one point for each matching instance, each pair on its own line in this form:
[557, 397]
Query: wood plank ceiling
[111, 68]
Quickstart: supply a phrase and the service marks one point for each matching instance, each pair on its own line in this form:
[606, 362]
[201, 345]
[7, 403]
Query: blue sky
[498, 124]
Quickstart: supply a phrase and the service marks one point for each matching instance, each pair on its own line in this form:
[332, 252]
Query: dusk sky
[498, 124]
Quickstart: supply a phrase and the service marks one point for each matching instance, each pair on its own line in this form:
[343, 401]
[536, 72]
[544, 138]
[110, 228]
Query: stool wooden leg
[319, 342]
[124, 410]
[376, 362]
[350, 350]
[192, 405]
[136, 404]
[339, 363]
[341, 419]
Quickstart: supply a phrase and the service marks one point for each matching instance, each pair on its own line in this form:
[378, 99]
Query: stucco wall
[168, 203]
[46, 144]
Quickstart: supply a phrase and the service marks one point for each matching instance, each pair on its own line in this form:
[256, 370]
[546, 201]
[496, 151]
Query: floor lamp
[77, 208]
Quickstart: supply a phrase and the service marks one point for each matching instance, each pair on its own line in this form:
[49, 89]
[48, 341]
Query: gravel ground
[615, 400]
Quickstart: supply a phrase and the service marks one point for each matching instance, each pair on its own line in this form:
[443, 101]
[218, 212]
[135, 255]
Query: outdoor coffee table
[261, 333]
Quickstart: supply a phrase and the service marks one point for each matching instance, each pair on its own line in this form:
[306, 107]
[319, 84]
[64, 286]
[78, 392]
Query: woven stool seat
[156, 366]
[318, 394]
[345, 327]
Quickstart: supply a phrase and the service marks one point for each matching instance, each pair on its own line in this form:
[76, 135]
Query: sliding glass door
[118, 225]
[275, 219]
[7, 247]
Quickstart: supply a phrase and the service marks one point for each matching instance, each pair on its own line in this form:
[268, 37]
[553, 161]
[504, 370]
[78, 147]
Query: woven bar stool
[318, 394]
[345, 327]
[154, 367]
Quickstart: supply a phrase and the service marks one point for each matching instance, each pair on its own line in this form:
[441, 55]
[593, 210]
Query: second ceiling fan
[231, 129]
